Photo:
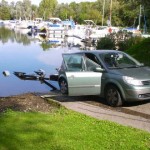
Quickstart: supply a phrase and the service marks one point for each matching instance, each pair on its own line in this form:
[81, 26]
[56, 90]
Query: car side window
[74, 62]
[93, 58]
[90, 64]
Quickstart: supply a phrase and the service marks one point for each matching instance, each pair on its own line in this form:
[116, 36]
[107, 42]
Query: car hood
[138, 73]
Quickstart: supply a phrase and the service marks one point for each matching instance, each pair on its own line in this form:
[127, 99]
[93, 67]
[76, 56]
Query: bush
[127, 43]
[141, 51]
[119, 41]
[105, 43]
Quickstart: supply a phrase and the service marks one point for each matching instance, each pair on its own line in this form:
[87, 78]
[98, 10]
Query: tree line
[122, 12]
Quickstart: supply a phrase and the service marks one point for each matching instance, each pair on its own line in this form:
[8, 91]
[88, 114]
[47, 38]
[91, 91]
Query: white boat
[55, 24]
[134, 31]
[91, 30]
[78, 31]
[95, 31]
[68, 24]
[22, 24]
[57, 41]
[21, 31]
[55, 28]
[146, 35]
[7, 24]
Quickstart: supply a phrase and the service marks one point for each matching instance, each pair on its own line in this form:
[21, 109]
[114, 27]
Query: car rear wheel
[63, 86]
[113, 96]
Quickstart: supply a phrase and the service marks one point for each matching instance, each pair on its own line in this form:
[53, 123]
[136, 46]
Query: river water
[21, 53]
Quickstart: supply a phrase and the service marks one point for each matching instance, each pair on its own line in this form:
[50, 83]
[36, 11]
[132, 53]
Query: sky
[36, 2]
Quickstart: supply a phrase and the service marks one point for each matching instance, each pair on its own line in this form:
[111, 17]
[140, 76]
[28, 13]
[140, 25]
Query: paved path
[104, 113]
[142, 108]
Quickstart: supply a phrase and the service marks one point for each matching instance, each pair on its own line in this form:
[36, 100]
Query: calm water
[20, 53]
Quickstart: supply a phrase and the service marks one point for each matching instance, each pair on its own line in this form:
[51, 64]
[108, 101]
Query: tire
[63, 86]
[113, 96]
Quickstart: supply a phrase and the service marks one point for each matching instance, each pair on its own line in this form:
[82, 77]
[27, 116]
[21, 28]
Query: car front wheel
[63, 86]
[113, 96]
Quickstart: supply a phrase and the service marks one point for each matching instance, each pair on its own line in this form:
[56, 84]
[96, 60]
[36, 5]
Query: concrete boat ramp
[136, 115]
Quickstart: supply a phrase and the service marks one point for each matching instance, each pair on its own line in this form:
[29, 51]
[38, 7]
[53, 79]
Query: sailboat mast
[140, 17]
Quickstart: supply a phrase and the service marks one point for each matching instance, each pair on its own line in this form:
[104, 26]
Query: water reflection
[10, 35]
[19, 52]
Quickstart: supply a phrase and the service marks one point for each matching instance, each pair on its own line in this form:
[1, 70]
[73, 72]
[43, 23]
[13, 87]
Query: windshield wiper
[135, 66]
[115, 67]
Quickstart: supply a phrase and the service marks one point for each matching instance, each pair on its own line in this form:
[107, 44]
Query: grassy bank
[66, 130]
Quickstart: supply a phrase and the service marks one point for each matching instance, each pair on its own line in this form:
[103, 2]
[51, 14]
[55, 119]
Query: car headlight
[132, 81]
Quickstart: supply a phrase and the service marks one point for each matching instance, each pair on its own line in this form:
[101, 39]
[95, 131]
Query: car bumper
[138, 94]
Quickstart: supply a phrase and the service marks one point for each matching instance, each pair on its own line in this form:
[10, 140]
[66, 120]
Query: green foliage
[26, 8]
[106, 43]
[6, 35]
[128, 42]
[116, 16]
[141, 51]
[75, 7]
[129, 17]
[66, 130]
[21, 9]
[121, 13]
[34, 13]
[46, 8]
[4, 13]
[46, 46]
[95, 15]
[120, 41]
[65, 12]
[99, 6]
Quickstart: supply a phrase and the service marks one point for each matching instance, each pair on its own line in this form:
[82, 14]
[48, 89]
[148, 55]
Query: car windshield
[118, 60]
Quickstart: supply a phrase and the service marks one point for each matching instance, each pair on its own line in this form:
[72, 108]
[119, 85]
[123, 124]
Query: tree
[12, 10]
[64, 11]
[4, 3]
[132, 18]
[34, 12]
[106, 43]
[46, 8]
[4, 10]
[26, 8]
[18, 8]
[23, 10]
[95, 15]
[122, 13]
[85, 11]
[77, 11]
[103, 6]
[5, 13]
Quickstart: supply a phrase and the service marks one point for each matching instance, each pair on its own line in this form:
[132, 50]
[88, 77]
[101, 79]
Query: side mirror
[57, 69]
[98, 69]
[142, 64]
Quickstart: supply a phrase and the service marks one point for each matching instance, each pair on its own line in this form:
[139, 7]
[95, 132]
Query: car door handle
[72, 76]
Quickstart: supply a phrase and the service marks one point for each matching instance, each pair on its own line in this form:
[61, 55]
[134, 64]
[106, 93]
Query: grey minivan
[112, 74]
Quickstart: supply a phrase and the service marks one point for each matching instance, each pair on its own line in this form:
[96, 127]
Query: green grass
[66, 130]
